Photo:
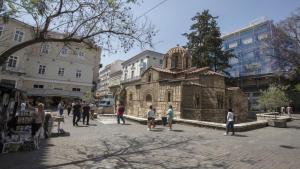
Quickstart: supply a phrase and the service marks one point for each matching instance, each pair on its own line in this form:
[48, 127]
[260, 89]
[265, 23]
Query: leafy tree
[90, 22]
[273, 98]
[205, 43]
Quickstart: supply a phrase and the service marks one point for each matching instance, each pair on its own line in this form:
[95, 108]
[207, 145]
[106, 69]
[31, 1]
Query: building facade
[194, 93]
[252, 58]
[135, 66]
[255, 66]
[104, 77]
[48, 72]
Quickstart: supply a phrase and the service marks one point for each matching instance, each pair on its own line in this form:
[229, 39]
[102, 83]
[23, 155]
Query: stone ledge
[238, 127]
[221, 126]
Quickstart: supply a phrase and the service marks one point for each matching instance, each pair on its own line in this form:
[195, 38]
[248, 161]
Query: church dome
[178, 49]
[177, 59]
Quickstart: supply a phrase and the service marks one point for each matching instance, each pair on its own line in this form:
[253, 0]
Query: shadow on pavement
[239, 135]
[288, 147]
[66, 134]
[127, 153]
[177, 130]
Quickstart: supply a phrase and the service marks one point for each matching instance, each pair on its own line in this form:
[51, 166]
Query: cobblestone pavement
[105, 144]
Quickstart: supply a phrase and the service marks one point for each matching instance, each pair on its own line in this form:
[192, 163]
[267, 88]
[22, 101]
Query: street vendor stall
[15, 125]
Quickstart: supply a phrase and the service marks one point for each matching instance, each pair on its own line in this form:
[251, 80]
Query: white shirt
[23, 106]
[229, 116]
[151, 113]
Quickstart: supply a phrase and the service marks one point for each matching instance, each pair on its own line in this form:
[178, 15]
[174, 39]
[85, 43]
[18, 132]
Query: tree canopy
[102, 22]
[273, 97]
[205, 43]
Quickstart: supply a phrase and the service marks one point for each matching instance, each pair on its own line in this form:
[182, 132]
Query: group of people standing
[79, 108]
[151, 114]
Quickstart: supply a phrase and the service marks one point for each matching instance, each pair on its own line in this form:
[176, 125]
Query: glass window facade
[251, 59]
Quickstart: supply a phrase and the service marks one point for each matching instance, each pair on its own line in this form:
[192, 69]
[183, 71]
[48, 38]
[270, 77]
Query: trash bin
[164, 120]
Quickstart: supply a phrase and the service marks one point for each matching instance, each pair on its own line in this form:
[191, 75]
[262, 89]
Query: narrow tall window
[132, 74]
[18, 36]
[80, 54]
[148, 98]
[186, 62]
[78, 73]
[12, 61]
[149, 77]
[61, 71]
[1, 29]
[169, 96]
[42, 69]
[166, 63]
[64, 51]
[45, 48]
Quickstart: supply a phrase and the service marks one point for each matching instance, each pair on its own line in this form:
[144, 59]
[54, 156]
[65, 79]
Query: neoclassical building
[194, 93]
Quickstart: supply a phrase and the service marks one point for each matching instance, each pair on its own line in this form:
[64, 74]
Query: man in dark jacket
[86, 113]
[76, 113]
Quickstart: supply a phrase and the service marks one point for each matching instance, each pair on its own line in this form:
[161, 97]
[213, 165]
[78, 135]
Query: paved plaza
[105, 144]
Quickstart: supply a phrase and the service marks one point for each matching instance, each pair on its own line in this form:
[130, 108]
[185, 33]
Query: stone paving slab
[110, 146]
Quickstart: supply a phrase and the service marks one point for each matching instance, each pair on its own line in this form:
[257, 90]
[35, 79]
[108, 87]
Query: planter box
[281, 123]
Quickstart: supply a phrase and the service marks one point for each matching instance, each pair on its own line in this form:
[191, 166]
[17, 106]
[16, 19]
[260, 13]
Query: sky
[173, 18]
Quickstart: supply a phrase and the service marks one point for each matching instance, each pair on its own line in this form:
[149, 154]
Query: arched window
[175, 61]
[149, 77]
[130, 96]
[186, 62]
[166, 62]
[148, 98]
[169, 96]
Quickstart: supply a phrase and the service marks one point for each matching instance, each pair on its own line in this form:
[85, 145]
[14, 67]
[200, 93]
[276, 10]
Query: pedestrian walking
[37, 124]
[76, 113]
[170, 116]
[289, 110]
[151, 117]
[92, 107]
[69, 108]
[86, 113]
[60, 108]
[282, 110]
[23, 108]
[230, 122]
[120, 112]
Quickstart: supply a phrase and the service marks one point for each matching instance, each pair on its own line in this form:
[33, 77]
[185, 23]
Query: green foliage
[297, 87]
[88, 97]
[273, 98]
[205, 43]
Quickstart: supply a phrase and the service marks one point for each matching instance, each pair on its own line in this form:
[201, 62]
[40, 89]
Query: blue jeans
[120, 117]
[230, 125]
[61, 112]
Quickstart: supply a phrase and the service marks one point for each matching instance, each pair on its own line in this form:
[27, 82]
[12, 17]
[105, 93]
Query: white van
[106, 102]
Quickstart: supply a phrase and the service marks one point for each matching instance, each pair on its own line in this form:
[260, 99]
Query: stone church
[194, 93]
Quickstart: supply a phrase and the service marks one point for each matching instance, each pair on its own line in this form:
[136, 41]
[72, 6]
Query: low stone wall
[271, 115]
[105, 110]
[221, 126]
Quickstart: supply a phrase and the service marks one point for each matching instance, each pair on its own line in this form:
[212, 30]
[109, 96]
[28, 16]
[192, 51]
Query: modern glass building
[254, 67]
[248, 45]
